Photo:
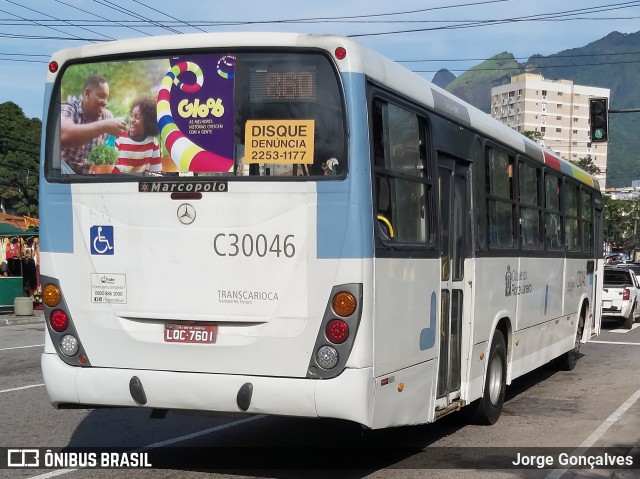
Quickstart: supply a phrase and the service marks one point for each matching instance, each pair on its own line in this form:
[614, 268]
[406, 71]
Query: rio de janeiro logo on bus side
[512, 282]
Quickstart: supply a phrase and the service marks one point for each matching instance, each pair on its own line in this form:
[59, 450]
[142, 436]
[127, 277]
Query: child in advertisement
[138, 148]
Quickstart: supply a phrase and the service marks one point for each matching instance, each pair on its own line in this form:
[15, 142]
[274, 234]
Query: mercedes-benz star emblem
[186, 214]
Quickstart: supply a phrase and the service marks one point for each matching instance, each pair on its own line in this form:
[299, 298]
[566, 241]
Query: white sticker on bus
[109, 288]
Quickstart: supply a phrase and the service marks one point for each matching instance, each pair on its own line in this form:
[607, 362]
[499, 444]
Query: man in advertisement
[85, 123]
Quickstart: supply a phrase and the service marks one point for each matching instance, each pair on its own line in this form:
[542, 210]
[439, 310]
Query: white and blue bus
[300, 227]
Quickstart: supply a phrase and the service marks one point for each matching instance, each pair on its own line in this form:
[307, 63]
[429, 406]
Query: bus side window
[399, 156]
[500, 201]
[553, 218]
[530, 208]
[385, 227]
[571, 223]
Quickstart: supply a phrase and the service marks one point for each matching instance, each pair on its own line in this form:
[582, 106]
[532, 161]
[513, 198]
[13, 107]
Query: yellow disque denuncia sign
[280, 142]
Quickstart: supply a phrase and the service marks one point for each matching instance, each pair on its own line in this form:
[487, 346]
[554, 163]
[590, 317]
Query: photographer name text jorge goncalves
[570, 460]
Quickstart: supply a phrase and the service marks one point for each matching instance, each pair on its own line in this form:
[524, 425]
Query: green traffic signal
[598, 119]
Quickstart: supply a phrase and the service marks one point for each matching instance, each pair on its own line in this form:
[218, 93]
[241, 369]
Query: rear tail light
[337, 331]
[69, 345]
[344, 304]
[59, 321]
[626, 294]
[51, 295]
[327, 357]
[60, 325]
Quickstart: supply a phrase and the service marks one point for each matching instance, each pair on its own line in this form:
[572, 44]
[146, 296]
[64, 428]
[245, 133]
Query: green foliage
[102, 155]
[19, 159]
[126, 80]
[533, 135]
[587, 165]
[622, 222]
[474, 85]
[623, 164]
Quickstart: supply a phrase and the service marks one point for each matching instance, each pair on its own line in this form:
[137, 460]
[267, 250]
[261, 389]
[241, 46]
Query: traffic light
[598, 120]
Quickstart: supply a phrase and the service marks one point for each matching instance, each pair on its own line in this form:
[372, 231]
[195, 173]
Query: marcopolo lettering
[184, 187]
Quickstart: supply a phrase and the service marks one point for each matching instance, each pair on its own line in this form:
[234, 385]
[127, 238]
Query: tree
[587, 165]
[621, 223]
[533, 135]
[19, 160]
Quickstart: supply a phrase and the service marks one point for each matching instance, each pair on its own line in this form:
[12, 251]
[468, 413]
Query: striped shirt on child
[138, 156]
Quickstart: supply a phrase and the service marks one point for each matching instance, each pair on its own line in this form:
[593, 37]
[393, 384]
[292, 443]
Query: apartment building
[558, 110]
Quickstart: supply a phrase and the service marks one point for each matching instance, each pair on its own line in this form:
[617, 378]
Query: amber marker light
[344, 304]
[51, 295]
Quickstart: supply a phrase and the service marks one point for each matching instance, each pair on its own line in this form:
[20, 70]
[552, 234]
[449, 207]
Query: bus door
[454, 208]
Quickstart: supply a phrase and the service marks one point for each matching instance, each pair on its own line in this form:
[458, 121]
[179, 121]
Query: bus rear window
[212, 114]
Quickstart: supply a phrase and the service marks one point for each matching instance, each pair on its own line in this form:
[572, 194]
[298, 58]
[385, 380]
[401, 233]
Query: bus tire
[487, 409]
[569, 360]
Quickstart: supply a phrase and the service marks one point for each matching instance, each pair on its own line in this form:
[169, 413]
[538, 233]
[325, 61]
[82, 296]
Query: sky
[425, 35]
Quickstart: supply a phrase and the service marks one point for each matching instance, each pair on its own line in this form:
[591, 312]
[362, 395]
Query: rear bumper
[348, 396]
[621, 311]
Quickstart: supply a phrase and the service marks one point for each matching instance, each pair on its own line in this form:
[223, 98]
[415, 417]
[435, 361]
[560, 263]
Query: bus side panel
[541, 343]
[405, 340]
[407, 396]
[576, 285]
[537, 286]
[493, 294]
[477, 369]
[406, 316]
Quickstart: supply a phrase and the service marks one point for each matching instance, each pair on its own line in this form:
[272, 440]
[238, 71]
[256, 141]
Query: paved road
[596, 405]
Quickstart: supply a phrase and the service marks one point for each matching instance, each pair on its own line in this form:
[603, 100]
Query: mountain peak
[443, 77]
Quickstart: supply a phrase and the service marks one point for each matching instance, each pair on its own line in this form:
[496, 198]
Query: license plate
[190, 333]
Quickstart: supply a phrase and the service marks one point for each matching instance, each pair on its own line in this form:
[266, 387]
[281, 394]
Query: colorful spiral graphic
[188, 155]
[226, 66]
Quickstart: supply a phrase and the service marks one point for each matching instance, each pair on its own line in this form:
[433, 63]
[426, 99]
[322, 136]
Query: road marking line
[614, 342]
[57, 472]
[21, 388]
[204, 432]
[156, 445]
[598, 433]
[22, 347]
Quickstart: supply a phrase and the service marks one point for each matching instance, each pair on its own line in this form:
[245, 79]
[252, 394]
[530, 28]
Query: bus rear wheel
[488, 408]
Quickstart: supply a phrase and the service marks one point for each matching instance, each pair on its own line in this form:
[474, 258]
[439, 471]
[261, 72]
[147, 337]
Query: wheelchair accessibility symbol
[101, 238]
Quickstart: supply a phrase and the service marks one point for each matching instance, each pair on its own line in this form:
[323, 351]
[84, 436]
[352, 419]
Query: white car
[621, 295]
